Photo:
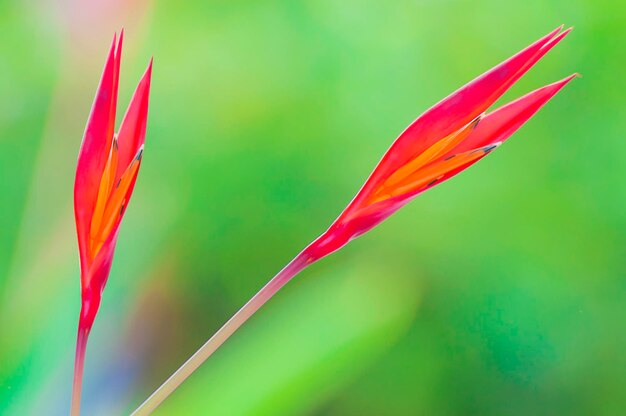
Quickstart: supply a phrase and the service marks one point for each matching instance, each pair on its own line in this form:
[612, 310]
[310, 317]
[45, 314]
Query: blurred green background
[502, 291]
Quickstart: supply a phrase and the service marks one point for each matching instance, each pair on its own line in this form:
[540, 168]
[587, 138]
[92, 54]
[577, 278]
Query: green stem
[285, 275]
[79, 363]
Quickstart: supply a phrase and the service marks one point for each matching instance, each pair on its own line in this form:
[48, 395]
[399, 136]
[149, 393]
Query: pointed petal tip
[560, 28]
[120, 41]
[116, 51]
[554, 40]
[148, 72]
[557, 30]
[112, 48]
[491, 147]
[566, 31]
[561, 83]
[147, 75]
[545, 40]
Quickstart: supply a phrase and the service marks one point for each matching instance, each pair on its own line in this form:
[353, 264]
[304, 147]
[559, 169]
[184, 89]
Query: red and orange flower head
[107, 168]
[448, 138]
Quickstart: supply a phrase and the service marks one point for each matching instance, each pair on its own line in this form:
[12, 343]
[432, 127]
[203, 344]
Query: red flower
[107, 168]
[448, 138]
[445, 140]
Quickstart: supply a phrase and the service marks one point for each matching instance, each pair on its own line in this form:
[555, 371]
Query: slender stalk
[293, 268]
[79, 363]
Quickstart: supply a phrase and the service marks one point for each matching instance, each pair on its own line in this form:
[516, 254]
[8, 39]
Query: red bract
[448, 138]
[107, 168]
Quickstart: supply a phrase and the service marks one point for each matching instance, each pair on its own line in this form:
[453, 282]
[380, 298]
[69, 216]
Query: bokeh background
[502, 291]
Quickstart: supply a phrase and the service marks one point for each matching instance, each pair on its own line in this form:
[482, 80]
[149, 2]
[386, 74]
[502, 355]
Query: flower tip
[490, 147]
[139, 154]
[557, 38]
[148, 74]
[119, 43]
[146, 78]
[566, 80]
[560, 84]
[554, 32]
[112, 48]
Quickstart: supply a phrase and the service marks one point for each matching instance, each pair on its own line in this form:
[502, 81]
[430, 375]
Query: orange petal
[432, 173]
[106, 185]
[118, 201]
[439, 148]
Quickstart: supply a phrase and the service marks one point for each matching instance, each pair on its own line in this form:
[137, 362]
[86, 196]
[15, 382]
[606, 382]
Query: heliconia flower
[448, 138]
[108, 164]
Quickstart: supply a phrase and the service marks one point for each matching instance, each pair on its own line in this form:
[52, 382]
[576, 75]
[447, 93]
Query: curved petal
[117, 203]
[500, 124]
[132, 131]
[480, 139]
[94, 150]
[457, 110]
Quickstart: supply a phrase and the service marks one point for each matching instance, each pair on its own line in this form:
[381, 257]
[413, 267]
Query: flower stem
[285, 275]
[79, 362]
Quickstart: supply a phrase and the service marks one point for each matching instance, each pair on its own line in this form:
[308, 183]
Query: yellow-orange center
[427, 166]
[111, 199]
